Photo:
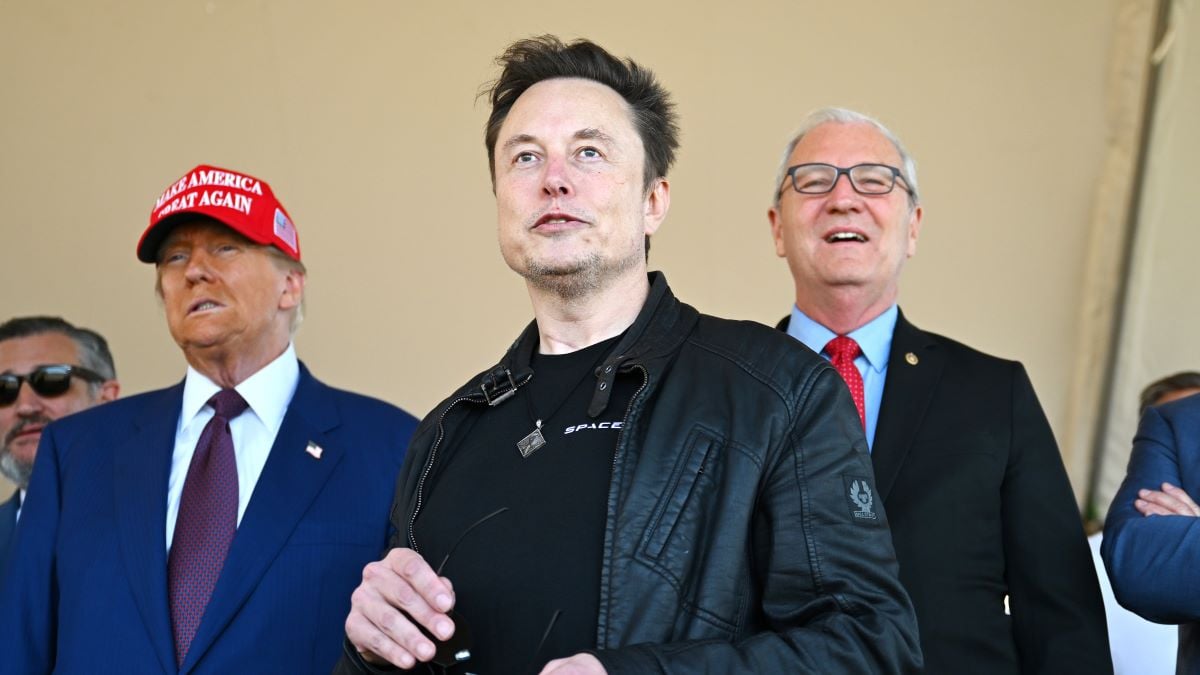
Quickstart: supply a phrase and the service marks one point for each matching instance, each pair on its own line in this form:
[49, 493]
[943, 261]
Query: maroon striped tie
[206, 523]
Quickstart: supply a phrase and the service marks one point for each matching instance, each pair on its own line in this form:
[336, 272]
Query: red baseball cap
[240, 201]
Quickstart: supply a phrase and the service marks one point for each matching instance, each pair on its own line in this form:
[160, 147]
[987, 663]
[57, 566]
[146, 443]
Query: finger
[552, 666]
[408, 583]
[1181, 495]
[411, 567]
[370, 641]
[1166, 501]
[390, 604]
[1151, 509]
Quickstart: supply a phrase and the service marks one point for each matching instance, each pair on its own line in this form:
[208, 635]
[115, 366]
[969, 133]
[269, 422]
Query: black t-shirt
[514, 572]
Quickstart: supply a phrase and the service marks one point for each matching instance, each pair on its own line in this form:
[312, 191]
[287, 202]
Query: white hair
[908, 166]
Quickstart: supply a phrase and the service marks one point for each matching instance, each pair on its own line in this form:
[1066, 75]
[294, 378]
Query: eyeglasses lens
[868, 179]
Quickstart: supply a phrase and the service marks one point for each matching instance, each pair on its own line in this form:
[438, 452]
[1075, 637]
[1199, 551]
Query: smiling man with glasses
[965, 462]
[48, 369]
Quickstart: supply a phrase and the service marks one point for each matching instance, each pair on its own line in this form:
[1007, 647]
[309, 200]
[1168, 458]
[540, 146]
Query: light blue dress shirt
[874, 339]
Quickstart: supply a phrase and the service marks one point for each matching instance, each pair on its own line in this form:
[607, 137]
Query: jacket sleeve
[29, 588]
[1151, 559]
[830, 600]
[1057, 611]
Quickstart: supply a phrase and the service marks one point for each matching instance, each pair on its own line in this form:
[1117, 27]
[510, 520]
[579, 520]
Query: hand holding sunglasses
[400, 597]
[46, 381]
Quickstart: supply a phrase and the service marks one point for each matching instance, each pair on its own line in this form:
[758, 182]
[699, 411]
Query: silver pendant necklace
[535, 440]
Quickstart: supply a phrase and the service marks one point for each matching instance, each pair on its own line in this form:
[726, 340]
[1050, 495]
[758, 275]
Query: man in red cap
[221, 524]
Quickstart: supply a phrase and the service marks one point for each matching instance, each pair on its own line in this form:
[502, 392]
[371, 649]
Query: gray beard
[567, 281]
[14, 470]
[578, 279]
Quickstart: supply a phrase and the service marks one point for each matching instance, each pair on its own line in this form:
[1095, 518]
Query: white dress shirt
[268, 393]
[20, 505]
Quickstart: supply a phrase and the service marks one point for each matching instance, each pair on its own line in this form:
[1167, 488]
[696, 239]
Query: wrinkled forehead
[845, 144]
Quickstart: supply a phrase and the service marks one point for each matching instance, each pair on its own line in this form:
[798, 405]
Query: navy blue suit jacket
[8, 525]
[1152, 560]
[88, 594]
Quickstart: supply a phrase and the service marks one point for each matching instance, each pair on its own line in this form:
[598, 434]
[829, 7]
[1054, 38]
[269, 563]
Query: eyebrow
[593, 134]
[588, 133]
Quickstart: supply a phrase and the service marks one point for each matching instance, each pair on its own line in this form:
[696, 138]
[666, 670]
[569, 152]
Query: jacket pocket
[684, 493]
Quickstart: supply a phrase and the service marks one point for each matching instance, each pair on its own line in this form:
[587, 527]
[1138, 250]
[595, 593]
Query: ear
[914, 229]
[777, 231]
[293, 290]
[657, 203]
[109, 391]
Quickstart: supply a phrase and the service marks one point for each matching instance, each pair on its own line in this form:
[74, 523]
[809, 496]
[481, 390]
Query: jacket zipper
[628, 409]
[600, 642]
[412, 521]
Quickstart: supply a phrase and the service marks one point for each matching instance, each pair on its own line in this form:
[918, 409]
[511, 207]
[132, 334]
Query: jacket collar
[660, 326]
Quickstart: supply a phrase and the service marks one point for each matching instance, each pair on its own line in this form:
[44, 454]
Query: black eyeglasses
[457, 649]
[866, 179]
[47, 381]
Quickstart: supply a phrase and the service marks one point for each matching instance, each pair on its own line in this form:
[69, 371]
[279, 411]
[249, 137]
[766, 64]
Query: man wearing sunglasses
[218, 525]
[48, 369]
[635, 487]
[966, 464]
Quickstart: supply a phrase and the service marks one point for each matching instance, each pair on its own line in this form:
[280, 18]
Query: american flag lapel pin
[314, 450]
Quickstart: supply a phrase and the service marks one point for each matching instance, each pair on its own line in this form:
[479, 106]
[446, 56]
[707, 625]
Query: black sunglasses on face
[46, 381]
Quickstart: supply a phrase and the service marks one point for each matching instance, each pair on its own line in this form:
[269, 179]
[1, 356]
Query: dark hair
[93, 348]
[1170, 384]
[527, 62]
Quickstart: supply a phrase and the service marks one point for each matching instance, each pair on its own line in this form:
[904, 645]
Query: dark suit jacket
[980, 507]
[8, 526]
[1152, 560]
[88, 594]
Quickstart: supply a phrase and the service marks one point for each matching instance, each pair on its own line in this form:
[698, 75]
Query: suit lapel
[141, 468]
[291, 479]
[914, 368]
[8, 526]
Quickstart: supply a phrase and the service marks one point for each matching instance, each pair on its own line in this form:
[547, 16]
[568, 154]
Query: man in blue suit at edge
[219, 525]
[1152, 532]
[49, 369]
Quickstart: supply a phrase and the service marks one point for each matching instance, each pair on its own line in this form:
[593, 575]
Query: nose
[843, 197]
[556, 182]
[28, 402]
[197, 269]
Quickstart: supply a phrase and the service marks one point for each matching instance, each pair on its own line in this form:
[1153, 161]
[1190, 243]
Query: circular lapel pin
[911, 358]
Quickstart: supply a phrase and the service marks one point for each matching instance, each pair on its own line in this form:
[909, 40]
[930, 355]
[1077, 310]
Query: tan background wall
[363, 117]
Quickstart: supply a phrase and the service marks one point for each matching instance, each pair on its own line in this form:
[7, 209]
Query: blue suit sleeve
[1151, 559]
[29, 590]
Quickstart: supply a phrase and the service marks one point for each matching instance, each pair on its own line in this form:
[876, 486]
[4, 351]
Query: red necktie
[842, 350]
[206, 523]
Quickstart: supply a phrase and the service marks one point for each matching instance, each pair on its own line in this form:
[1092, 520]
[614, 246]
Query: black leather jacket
[742, 532]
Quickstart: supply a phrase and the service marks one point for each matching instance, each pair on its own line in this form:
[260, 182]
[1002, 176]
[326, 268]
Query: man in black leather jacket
[693, 494]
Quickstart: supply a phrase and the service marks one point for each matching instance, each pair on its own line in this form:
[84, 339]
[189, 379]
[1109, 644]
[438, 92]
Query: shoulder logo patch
[861, 498]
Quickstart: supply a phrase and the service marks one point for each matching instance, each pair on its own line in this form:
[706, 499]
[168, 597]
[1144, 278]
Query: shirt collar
[873, 337]
[268, 391]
